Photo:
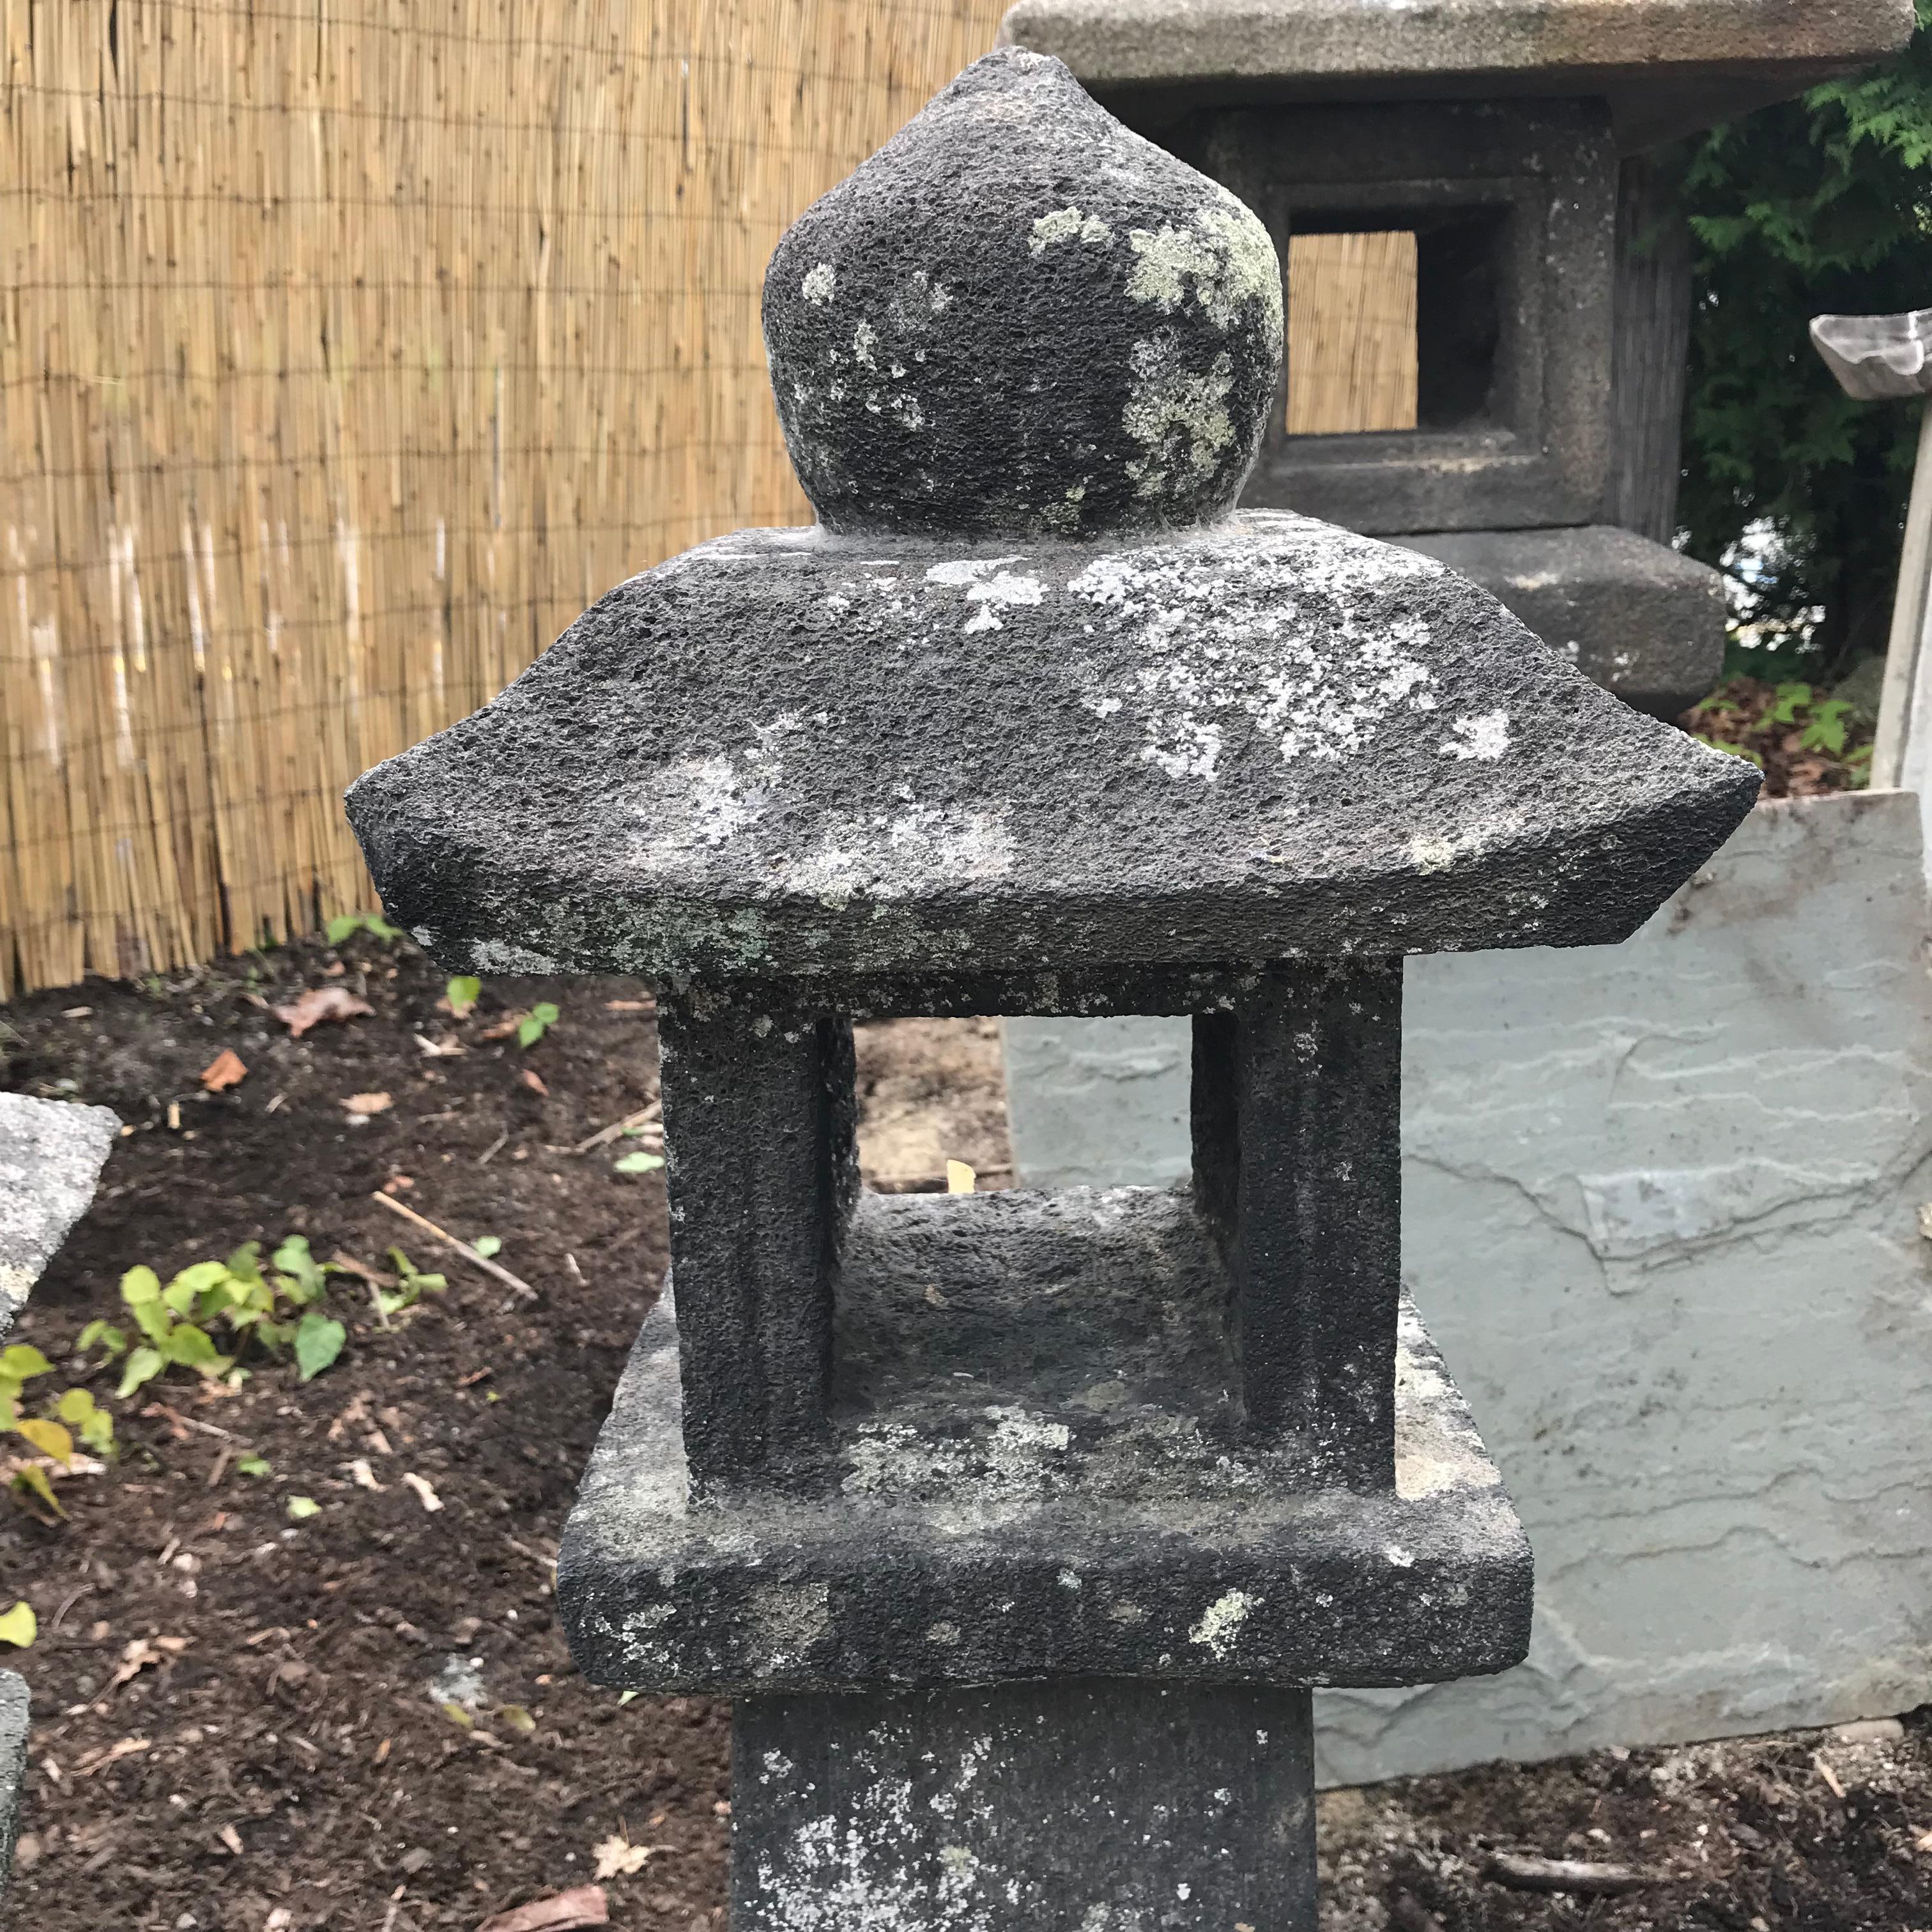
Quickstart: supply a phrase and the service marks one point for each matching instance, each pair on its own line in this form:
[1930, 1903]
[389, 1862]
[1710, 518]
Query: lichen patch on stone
[1067, 224]
[1276, 644]
[1226, 254]
[1219, 1629]
[1178, 415]
[1486, 737]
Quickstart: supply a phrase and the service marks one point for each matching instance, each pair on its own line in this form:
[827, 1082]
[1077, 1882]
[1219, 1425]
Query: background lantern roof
[1667, 67]
[1034, 698]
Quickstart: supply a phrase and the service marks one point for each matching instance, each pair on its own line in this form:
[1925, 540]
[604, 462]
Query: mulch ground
[1804, 740]
[366, 1719]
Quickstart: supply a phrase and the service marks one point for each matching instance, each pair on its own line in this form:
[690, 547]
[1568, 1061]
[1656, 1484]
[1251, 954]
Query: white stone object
[51, 1155]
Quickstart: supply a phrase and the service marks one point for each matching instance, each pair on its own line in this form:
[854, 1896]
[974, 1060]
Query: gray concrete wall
[1660, 1212]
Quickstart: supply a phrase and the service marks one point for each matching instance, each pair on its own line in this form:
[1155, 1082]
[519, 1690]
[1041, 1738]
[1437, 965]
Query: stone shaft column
[1095, 1805]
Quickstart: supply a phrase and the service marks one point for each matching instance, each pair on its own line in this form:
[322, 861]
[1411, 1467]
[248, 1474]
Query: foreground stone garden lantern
[1019, 1525]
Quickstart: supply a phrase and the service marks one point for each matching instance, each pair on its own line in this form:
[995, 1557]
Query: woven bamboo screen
[1351, 348]
[348, 348]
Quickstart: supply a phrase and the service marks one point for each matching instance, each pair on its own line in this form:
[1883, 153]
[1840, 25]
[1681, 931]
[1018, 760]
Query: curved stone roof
[790, 753]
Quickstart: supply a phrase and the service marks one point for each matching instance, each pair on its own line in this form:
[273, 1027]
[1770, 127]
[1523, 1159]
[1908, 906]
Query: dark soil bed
[365, 1718]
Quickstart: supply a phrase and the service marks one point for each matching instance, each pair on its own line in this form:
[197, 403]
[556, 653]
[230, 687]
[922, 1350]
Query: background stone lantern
[1489, 155]
[1019, 1524]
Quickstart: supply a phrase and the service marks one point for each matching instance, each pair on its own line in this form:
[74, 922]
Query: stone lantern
[1019, 1524]
[1545, 281]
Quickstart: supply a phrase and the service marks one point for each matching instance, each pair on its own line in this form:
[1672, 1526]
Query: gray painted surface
[1660, 1212]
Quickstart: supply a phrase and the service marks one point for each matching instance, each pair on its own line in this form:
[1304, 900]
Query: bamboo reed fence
[1352, 349]
[348, 348]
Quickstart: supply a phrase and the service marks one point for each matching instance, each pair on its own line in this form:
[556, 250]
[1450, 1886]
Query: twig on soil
[604, 1135]
[494, 1148]
[1527, 1873]
[457, 1246]
[174, 1416]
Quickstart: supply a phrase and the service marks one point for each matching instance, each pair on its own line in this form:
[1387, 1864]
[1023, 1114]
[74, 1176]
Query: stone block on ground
[51, 1155]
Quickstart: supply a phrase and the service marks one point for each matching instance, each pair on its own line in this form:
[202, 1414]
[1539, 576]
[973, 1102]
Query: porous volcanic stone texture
[51, 1155]
[1095, 1806]
[1019, 318]
[1297, 1169]
[759, 1138]
[1667, 66]
[789, 754]
[1038, 1470]
[14, 1715]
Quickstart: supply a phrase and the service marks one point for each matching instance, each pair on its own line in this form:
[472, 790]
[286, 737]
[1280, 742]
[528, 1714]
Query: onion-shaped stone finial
[1019, 318]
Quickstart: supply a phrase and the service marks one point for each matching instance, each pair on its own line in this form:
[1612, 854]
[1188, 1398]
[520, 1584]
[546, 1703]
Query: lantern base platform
[1035, 1472]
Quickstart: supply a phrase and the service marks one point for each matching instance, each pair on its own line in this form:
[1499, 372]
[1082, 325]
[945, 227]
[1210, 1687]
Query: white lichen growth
[1178, 415]
[988, 586]
[1225, 252]
[1486, 737]
[1067, 224]
[1219, 1629]
[818, 284]
[1282, 643]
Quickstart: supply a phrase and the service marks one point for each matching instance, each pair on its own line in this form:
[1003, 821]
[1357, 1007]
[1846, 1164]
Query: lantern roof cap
[1667, 66]
[790, 754]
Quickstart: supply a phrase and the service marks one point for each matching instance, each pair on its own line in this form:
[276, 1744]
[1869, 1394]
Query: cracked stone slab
[790, 752]
[1701, 1156]
[14, 1715]
[1038, 1473]
[51, 1155]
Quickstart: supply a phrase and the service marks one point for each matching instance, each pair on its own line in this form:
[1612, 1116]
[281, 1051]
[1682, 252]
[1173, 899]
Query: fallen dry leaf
[1923, 1843]
[365, 1476]
[583, 1905]
[630, 1005]
[366, 1104]
[225, 1070]
[534, 1081]
[316, 1003]
[231, 1838]
[137, 1655]
[439, 1049]
[426, 1496]
[617, 1857]
[505, 1027]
